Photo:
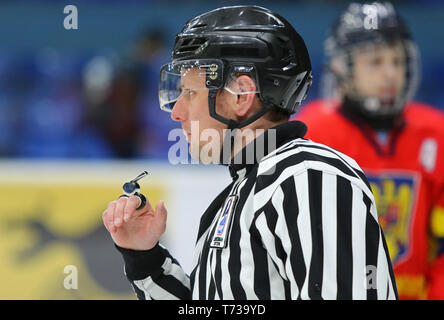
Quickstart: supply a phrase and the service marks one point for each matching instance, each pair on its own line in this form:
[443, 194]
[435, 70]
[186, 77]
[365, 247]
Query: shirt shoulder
[426, 117]
[300, 155]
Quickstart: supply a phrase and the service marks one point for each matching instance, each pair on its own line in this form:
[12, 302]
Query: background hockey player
[371, 75]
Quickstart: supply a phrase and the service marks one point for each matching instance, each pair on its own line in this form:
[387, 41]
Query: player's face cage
[342, 77]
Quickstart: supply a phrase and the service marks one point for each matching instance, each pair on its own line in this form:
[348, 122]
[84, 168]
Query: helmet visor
[181, 78]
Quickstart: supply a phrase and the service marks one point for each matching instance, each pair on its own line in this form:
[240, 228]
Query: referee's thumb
[161, 211]
[161, 216]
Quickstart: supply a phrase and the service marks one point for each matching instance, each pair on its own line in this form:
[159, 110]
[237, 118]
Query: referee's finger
[108, 217]
[118, 212]
[131, 207]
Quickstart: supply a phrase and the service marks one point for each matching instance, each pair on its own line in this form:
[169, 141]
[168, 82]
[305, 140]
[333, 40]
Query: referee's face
[204, 133]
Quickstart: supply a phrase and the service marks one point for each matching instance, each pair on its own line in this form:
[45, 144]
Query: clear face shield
[184, 78]
[382, 76]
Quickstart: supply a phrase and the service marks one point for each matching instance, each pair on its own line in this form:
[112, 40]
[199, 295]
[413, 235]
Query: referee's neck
[247, 134]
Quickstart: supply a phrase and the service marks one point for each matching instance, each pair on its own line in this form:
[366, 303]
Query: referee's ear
[246, 97]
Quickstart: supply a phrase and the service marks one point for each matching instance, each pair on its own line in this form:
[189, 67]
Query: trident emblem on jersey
[395, 197]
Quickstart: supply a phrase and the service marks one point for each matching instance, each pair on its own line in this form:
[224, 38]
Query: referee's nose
[179, 111]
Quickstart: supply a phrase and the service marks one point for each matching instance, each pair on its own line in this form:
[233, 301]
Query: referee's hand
[135, 229]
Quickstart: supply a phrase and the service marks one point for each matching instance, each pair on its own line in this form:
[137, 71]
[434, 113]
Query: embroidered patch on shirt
[220, 235]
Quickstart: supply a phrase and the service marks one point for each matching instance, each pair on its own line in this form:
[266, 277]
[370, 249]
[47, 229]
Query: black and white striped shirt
[303, 226]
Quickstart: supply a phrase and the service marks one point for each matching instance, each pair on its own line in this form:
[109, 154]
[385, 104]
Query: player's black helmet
[237, 40]
[363, 23]
[360, 25]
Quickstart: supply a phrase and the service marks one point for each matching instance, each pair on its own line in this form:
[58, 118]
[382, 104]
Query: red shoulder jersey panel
[406, 171]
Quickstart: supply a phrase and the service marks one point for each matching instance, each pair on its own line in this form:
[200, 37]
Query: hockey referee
[299, 219]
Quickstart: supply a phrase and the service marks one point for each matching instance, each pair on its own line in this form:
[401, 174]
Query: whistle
[132, 188]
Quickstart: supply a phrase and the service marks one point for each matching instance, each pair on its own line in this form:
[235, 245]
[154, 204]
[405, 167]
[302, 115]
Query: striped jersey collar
[252, 153]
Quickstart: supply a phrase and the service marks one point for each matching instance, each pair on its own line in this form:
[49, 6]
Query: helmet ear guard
[296, 92]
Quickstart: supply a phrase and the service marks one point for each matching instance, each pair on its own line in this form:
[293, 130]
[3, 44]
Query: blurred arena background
[79, 116]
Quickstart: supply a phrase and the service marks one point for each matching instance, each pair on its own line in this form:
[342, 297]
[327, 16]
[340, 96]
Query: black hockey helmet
[231, 41]
[376, 23]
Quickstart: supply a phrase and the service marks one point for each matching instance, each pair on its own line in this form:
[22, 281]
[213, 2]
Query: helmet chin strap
[228, 143]
[232, 126]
